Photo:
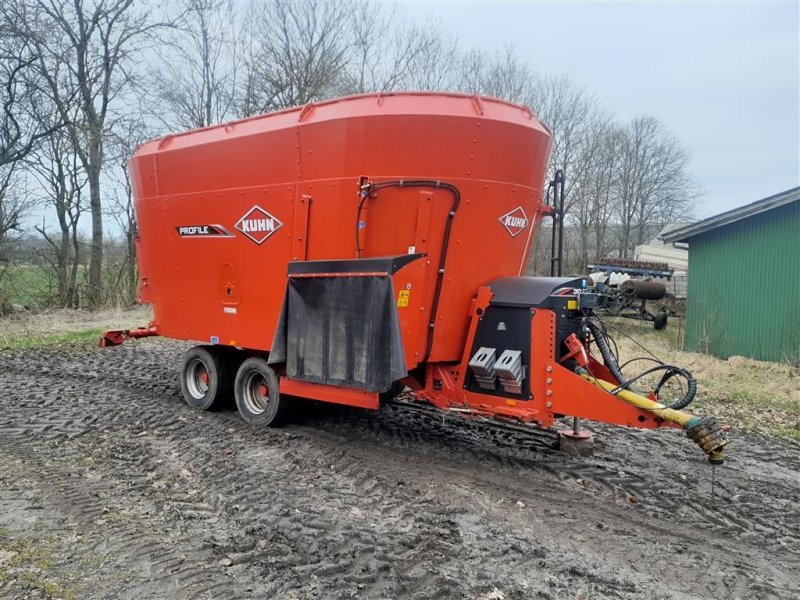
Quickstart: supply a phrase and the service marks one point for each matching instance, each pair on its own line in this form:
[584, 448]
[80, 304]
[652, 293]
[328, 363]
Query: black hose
[671, 371]
[611, 363]
[372, 188]
[614, 348]
[605, 351]
[638, 358]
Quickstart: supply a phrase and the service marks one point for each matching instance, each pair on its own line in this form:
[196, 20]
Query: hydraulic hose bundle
[704, 431]
[670, 371]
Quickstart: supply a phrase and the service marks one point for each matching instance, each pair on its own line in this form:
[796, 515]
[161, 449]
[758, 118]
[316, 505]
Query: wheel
[393, 392]
[660, 320]
[206, 378]
[257, 396]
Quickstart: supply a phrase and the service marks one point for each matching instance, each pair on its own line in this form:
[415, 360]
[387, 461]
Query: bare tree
[83, 51]
[58, 170]
[592, 208]
[20, 125]
[387, 53]
[501, 75]
[653, 182]
[197, 72]
[366, 51]
[13, 207]
[297, 53]
[432, 67]
[569, 110]
[128, 135]
[122, 212]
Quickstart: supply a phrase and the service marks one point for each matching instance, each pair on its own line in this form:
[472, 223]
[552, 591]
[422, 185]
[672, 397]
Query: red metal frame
[556, 390]
[329, 393]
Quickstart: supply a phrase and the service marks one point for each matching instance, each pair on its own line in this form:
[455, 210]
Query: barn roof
[684, 233]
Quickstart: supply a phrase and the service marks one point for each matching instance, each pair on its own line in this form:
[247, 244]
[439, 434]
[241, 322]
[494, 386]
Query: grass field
[32, 329]
[26, 285]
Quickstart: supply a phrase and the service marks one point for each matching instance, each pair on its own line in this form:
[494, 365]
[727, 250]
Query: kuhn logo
[258, 224]
[514, 221]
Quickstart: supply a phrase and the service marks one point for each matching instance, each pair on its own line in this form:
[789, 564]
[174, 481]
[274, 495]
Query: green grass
[36, 551]
[32, 329]
[33, 561]
[793, 433]
[36, 340]
[27, 285]
[92, 559]
[51, 589]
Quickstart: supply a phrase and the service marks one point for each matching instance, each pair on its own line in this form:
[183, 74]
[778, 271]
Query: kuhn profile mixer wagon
[346, 249]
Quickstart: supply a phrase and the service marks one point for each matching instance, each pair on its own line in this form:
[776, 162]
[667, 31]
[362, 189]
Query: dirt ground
[112, 487]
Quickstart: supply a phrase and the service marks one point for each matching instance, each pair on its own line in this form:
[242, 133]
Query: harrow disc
[646, 290]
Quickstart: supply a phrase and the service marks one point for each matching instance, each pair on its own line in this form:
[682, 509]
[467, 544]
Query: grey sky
[725, 77]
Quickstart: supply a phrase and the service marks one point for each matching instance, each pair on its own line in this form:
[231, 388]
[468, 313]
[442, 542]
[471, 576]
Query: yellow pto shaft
[704, 431]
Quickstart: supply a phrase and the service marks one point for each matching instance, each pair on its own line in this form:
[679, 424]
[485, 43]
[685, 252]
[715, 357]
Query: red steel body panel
[303, 167]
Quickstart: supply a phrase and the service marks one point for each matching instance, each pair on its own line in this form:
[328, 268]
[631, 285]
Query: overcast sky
[725, 77]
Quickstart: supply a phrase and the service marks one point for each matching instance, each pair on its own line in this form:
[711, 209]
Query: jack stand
[576, 442]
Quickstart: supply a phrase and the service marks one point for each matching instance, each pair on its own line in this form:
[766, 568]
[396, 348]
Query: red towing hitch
[117, 337]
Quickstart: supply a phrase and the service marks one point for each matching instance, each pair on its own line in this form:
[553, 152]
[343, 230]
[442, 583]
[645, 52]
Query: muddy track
[343, 503]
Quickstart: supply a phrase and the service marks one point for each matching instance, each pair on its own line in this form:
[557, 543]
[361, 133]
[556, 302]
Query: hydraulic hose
[671, 371]
[608, 358]
[372, 188]
[624, 383]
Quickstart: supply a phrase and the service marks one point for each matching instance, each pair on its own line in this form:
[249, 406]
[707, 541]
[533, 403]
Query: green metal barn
[744, 280]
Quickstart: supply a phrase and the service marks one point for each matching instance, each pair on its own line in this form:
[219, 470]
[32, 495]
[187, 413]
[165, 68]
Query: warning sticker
[402, 298]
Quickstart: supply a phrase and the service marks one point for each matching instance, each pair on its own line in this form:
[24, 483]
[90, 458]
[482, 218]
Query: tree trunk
[96, 209]
[61, 268]
[74, 298]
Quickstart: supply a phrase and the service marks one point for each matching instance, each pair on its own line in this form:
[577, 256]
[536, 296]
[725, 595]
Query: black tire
[258, 398]
[207, 378]
[393, 392]
[660, 320]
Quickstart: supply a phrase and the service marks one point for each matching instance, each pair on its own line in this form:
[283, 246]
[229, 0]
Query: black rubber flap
[341, 330]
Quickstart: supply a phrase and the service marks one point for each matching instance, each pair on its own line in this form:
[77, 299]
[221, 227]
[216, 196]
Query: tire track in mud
[234, 497]
[414, 432]
[139, 545]
[731, 509]
[380, 474]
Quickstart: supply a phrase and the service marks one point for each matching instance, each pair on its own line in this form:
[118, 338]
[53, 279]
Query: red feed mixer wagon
[346, 249]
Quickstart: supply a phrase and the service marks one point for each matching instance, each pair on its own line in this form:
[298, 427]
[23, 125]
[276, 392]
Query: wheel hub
[256, 393]
[197, 379]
